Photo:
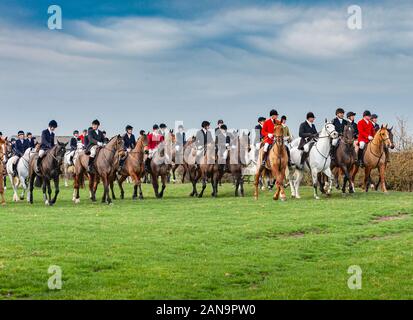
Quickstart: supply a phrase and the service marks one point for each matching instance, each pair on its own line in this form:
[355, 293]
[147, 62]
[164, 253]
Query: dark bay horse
[277, 163]
[237, 160]
[134, 167]
[106, 164]
[345, 159]
[49, 170]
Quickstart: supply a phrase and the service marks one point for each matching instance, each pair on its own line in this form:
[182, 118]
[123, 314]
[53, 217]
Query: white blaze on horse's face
[331, 130]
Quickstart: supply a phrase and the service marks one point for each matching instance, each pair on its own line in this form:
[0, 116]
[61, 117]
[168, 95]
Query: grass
[225, 248]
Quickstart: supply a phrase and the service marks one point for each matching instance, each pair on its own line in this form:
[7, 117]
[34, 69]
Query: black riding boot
[38, 163]
[360, 158]
[121, 163]
[264, 158]
[15, 169]
[304, 157]
[148, 165]
[90, 165]
[289, 156]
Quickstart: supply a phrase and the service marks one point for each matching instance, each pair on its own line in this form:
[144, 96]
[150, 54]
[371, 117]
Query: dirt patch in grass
[285, 235]
[399, 216]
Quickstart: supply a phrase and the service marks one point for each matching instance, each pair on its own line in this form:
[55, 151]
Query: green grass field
[225, 248]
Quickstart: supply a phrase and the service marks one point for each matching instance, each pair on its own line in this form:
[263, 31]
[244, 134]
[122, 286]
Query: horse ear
[326, 120]
[391, 129]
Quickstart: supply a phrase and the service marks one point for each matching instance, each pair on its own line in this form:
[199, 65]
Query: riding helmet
[128, 127]
[75, 132]
[284, 118]
[339, 110]
[205, 124]
[310, 115]
[96, 122]
[1, 133]
[273, 112]
[260, 119]
[350, 114]
[53, 124]
[162, 126]
[20, 132]
[367, 113]
[155, 127]
[142, 132]
[374, 116]
[224, 127]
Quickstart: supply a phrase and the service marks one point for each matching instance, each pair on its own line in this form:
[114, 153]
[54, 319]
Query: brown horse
[277, 163]
[134, 167]
[375, 158]
[3, 143]
[105, 166]
[49, 170]
[189, 165]
[345, 159]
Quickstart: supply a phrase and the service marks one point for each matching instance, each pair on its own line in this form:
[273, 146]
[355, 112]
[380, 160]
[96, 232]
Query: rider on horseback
[222, 142]
[95, 139]
[366, 134]
[73, 145]
[19, 149]
[339, 123]
[268, 133]
[351, 116]
[129, 142]
[202, 139]
[307, 133]
[287, 138]
[46, 144]
[154, 139]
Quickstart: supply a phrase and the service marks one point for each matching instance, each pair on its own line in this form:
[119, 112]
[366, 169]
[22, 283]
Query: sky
[145, 62]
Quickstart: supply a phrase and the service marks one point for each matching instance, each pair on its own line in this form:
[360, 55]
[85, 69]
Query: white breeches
[266, 146]
[14, 159]
[93, 151]
[362, 145]
[42, 153]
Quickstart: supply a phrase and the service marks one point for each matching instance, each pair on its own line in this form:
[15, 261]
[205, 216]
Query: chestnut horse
[277, 163]
[134, 167]
[105, 166]
[375, 158]
[49, 170]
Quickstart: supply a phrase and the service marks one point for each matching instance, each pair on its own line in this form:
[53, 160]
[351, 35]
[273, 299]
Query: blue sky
[144, 62]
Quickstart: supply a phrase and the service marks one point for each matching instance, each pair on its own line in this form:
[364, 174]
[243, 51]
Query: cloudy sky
[145, 62]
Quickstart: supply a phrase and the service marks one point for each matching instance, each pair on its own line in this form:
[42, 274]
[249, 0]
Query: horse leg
[314, 176]
[106, 196]
[155, 185]
[257, 180]
[139, 182]
[76, 186]
[31, 187]
[66, 174]
[163, 181]
[112, 190]
[345, 179]
[382, 170]
[242, 186]
[367, 173]
[237, 185]
[24, 186]
[56, 190]
[184, 174]
[121, 180]
[204, 184]
[14, 186]
[299, 178]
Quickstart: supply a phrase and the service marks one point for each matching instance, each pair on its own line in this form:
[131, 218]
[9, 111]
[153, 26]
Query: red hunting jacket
[268, 128]
[366, 129]
[154, 140]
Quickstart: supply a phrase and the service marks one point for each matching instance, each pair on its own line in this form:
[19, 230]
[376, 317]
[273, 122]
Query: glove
[371, 138]
[270, 135]
[100, 144]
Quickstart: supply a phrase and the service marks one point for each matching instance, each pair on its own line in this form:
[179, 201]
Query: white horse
[69, 160]
[319, 160]
[22, 173]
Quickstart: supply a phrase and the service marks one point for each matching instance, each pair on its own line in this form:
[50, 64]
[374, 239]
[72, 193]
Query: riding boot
[148, 165]
[90, 165]
[121, 163]
[71, 161]
[289, 156]
[264, 158]
[38, 163]
[304, 157]
[15, 169]
[333, 153]
[360, 158]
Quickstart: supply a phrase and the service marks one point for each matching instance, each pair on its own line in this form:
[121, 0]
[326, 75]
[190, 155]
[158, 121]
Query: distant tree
[402, 138]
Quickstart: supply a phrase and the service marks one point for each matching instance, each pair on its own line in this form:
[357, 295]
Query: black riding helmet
[20, 132]
[310, 115]
[260, 119]
[75, 132]
[339, 110]
[53, 124]
[273, 112]
[162, 126]
[96, 122]
[284, 118]
[350, 114]
[224, 127]
[155, 127]
[128, 127]
[205, 124]
[367, 113]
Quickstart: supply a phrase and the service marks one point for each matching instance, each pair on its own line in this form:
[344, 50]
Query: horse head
[391, 136]
[279, 133]
[383, 134]
[348, 134]
[330, 130]
[60, 149]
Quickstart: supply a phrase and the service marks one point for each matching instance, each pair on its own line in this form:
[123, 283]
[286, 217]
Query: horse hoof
[47, 203]
[317, 198]
[283, 199]
[22, 198]
[134, 198]
[77, 201]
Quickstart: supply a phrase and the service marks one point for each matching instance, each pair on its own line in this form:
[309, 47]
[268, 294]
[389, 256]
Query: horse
[134, 166]
[3, 151]
[276, 163]
[189, 165]
[161, 164]
[345, 158]
[49, 170]
[319, 160]
[69, 161]
[105, 166]
[375, 158]
[237, 160]
[22, 174]
[392, 146]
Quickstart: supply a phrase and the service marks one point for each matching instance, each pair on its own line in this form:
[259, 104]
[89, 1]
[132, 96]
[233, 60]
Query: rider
[219, 124]
[73, 145]
[129, 142]
[374, 119]
[350, 119]
[258, 132]
[162, 129]
[154, 139]
[31, 139]
[47, 143]
[268, 133]
[222, 141]
[307, 133]
[366, 134]
[339, 123]
[202, 139]
[287, 137]
[19, 149]
[95, 139]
